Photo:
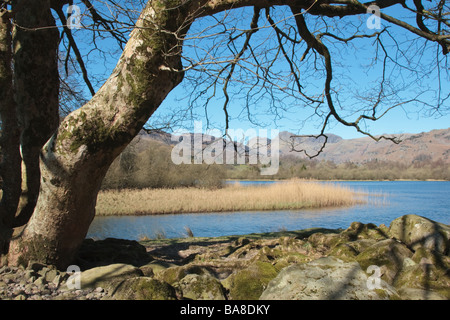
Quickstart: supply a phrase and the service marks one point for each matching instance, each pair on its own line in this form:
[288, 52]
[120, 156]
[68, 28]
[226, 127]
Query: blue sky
[397, 121]
[347, 79]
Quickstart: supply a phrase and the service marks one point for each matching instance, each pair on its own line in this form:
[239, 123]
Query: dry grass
[293, 194]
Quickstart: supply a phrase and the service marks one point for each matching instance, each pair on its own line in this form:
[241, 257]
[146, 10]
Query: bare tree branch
[73, 45]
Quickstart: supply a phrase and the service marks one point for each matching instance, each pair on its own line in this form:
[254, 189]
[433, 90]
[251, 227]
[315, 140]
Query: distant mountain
[433, 145]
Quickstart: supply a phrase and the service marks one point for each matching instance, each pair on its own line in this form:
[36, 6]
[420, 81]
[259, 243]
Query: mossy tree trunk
[10, 137]
[29, 105]
[36, 86]
[76, 158]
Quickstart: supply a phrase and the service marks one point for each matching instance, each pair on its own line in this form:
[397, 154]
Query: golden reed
[286, 195]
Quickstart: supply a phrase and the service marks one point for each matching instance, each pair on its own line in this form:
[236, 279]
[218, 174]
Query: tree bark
[9, 140]
[76, 158]
[36, 84]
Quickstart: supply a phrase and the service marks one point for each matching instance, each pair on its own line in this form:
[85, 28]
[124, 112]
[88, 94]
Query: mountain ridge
[433, 145]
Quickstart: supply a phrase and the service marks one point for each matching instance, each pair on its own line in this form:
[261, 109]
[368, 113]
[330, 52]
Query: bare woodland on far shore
[153, 168]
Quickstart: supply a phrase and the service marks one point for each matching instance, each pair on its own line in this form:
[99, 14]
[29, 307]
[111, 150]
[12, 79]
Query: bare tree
[166, 43]
[313, 80]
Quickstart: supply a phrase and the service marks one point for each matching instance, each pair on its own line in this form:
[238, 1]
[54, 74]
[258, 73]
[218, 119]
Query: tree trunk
[76, 158]
[36, 84]
[9, 140]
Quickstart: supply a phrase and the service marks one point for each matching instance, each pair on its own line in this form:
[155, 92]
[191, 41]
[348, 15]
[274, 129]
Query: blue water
[389, 200]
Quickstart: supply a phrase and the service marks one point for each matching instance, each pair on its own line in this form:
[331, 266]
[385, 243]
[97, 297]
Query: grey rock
[50, 275]
[326, 278]
[144, 288]
[106, 275]
[40, 282]
[416, 231]
[387, 254]
[201, 287]
[30, 275]
[419, 294]
[57, 280]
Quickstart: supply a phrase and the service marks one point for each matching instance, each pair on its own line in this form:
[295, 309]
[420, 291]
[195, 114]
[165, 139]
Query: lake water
[430, 199]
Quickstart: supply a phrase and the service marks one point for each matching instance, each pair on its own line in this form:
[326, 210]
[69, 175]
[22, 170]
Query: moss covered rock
[386, 254]
[416, 231]
[249, 283]
[358, 230]
[326, 278]
[428, 273]
[327, 240]
[344, 251]
[108, 276]
[201, 287]
[420, 294]
[350, 242]
[175, 274]
[144, 288]
[154, 267]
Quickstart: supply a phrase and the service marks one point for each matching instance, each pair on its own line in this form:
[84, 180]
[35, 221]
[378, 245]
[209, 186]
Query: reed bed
[289, 195]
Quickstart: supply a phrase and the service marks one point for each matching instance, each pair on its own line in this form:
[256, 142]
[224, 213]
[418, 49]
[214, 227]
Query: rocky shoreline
[40, 282]
[409, 260]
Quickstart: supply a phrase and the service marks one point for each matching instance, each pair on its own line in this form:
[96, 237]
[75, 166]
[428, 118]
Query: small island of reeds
[284, 195]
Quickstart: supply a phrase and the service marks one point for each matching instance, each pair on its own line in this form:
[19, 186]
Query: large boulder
[425, 276]
[176, 273]
[144, 288]
[388, 255]
[350, 242]
[416, 231]
[326, 278]
[108, 276]
[154, 267]
[201, 287]
[249, 283]
[358, 230]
